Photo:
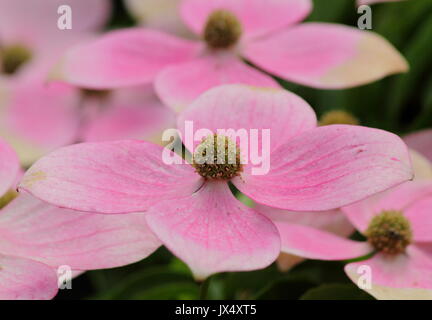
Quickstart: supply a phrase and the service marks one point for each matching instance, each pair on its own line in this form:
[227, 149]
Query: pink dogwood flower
[266, 33]
[397, 226]
[191, 208]
[37, 238]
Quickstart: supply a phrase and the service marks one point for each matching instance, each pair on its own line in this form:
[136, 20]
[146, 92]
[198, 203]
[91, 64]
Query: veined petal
[329, 167]
[24, 279]
[34, 229]
[109, 177]
[213, 232]
[328, 56]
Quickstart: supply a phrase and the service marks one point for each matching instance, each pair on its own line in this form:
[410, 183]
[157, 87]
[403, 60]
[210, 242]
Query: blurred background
[401, 104]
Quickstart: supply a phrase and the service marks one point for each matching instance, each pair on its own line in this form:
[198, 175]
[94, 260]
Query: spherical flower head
[217, 158]
[338, 117]
[389, 232]
[222, 30]
[12, 58]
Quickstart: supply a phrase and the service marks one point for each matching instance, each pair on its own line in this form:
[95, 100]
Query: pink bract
[311, 169]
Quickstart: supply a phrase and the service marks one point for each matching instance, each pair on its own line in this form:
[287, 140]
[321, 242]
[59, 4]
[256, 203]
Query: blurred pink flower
[195, 214]
[397, 225]
[30, 40]
[37, 118]
[36, 238]
[264, 32]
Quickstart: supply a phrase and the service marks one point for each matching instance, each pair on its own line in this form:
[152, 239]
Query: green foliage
[336, 291]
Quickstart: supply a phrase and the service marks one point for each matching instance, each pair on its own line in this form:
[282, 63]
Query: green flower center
[222, 30]
[389, 232]
[7, 198]
[217, 158]
[12, 58]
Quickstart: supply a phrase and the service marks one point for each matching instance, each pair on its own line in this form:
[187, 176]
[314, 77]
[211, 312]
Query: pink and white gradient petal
[329, 167]
[308, 242]
[178, 86]
[245, 107]
[328, 56]
[9, 167]
[257, 17]
[213, 232]
[24, 279]
[34, 229]
[109, 177]
[401, 277]
[124, 58]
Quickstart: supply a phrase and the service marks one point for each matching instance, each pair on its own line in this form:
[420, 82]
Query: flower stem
[204, 288]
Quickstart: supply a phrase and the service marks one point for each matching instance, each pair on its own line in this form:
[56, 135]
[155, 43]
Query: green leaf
[149, 282]
[336, 291]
